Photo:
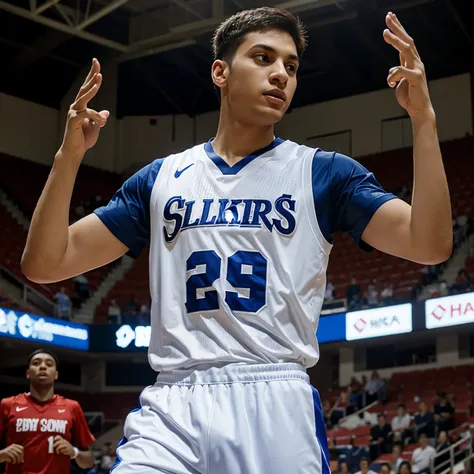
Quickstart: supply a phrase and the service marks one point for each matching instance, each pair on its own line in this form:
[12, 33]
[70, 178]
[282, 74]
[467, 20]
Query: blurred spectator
[132, 306]
[341, 408]
[81, 285]
[420, 461]
[372, 388]
[442, 444]
[424, 421]
[463, 282]
[114, 313]
[401, 424]
[372, 294]
[387, 294]
[108, 458]
[354, 294]
[364, 467]
[343, 468]
[404, 468]
[381, 435]
[397, 459]
[327, 414]
[356, 397]
[330, 292]
[385, 468]
[443, 288]
[143, 317]
[64, 304]
[444, 413]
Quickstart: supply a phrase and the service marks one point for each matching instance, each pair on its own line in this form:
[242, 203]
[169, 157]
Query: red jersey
[34, 425]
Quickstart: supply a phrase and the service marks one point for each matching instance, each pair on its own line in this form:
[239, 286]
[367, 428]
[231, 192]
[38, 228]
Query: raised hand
[83, 124]
[412, 89]
[12, 454]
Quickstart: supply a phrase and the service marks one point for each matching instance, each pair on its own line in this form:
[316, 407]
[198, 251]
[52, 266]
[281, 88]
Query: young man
[43, 431]
[240, 232]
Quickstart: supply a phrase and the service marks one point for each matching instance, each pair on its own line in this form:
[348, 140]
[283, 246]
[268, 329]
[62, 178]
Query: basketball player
[43, 431]
[240, 234]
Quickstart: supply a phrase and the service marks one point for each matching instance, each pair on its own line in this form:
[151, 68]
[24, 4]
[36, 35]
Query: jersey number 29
[246, 270]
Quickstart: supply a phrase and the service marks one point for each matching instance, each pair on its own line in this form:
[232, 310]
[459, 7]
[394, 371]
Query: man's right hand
[12, 454]
[83, 124]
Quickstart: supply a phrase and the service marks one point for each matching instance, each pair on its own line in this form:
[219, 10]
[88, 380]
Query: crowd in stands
[130, 313]
[401, 442]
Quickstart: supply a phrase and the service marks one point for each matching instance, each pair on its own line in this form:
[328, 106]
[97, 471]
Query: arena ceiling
[163, 47]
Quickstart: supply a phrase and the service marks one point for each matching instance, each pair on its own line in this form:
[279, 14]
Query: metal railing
[459, 452]
[29, 294]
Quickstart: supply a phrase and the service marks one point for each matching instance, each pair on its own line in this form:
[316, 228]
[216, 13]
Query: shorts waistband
[234, 373]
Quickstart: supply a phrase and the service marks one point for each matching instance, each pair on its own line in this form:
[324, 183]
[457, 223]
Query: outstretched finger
[87, 96]
[402, 47]
[95, 69]
[397, 28]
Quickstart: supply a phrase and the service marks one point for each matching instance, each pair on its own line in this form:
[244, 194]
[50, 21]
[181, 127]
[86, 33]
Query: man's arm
[85, 459]
[54, 251]
[422, 232]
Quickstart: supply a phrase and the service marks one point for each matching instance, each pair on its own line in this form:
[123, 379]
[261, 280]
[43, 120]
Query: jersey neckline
[225, 168]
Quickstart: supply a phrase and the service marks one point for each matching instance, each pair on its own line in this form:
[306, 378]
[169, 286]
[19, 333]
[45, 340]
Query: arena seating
[346, 260]
[456, 381]
[91, 182]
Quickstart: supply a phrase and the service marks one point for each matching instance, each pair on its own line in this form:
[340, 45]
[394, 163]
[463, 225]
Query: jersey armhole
[307, 184]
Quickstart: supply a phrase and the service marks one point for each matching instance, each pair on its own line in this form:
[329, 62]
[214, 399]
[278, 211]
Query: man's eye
[261, 57]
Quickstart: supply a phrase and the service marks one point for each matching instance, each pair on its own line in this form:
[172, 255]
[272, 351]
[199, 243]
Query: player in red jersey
[43, 431]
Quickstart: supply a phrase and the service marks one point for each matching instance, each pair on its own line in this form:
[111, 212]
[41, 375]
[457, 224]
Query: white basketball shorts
[257, 419]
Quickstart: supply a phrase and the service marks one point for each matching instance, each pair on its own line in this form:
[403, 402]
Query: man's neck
[234, 140]
[42, 394]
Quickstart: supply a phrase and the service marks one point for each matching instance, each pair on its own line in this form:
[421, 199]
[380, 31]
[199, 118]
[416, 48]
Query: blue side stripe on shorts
[321, 435]
[118, 460]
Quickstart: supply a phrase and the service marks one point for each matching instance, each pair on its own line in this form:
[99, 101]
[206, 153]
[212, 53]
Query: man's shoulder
[10, 401]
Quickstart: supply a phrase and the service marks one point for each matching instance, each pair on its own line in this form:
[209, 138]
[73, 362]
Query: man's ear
[56, 375]
[27, 374]
[219, 73]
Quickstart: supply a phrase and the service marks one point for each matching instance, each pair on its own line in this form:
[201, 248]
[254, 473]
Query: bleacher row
[410, 388]
[393, 169]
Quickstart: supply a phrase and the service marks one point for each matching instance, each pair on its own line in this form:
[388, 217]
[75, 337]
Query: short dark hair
[387, 465]
[43, 351]
[364, 460]
[231, 33]
[401, 406]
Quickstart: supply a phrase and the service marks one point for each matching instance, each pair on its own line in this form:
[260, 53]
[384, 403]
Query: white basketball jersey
[237, 259]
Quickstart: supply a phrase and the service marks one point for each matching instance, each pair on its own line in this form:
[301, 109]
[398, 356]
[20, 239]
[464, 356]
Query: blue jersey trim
[127, 215]
[124, 440]
[345, 194]
[225, 168]
[321, 435]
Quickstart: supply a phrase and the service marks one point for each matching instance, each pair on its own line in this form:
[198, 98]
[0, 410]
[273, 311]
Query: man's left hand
[412, 89]
[63, 446]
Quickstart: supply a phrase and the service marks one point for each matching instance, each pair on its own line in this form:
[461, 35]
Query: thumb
[105, 114]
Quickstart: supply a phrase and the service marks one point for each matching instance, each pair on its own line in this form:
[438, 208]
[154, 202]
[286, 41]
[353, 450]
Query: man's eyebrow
[268, 48]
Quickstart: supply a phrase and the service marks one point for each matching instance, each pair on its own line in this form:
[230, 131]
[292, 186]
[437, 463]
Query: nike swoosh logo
[21, 409]
[61, 411]
[178, 173]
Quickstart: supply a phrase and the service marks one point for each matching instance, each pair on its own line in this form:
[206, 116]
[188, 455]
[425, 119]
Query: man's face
[400, 411]
[423, 441]
[396, 451]
[42, 370]
[259, 81]
[381, 421]
[364, 466]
